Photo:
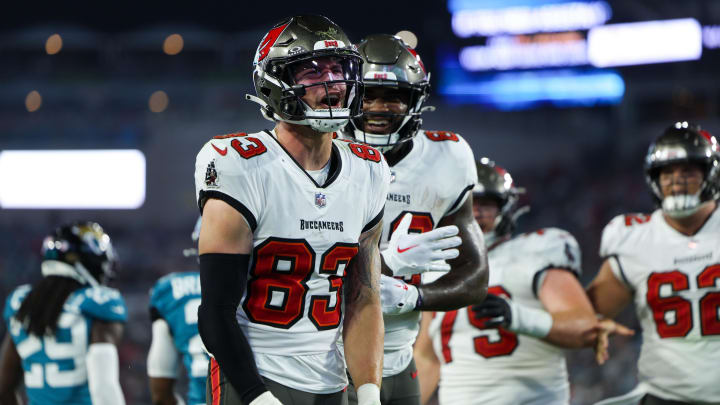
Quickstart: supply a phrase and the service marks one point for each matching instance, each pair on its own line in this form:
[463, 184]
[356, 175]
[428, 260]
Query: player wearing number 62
[289, 239]
[509, 349]
[668, 264]
[174, 302]
[63, 330]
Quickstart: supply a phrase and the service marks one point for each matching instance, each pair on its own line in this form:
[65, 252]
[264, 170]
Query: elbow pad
[222, 282]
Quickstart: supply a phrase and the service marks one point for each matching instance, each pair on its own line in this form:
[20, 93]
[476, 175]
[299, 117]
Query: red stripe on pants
[215, 380]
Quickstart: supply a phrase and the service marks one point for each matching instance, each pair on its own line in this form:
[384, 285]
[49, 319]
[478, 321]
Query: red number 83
[278, 283]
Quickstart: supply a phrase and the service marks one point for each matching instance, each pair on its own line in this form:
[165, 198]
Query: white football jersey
[304, 235]
[675, 280]
[432, 181]
[493, 365]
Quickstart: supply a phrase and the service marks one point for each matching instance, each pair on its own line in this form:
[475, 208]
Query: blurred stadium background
[565, 94]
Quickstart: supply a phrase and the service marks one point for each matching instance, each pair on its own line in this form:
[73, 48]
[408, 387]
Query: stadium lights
[711, 36]
[507, 52]
[72, 179]
[517, 90]
[526, 19]
[53, 44]
[173, 44]
[158, 101]
[645, 42]
[33, 101]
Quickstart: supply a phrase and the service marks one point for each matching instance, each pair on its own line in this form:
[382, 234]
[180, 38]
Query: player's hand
[496, 308]
[397, 296]
[605, 329]
[266, 398]
[415, 253]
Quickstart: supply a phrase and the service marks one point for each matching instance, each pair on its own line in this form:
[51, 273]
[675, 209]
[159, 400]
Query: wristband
[530, 321]
[368, 394]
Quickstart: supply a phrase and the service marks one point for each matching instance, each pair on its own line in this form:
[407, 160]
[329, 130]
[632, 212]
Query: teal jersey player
[54, 365]
[174, 302]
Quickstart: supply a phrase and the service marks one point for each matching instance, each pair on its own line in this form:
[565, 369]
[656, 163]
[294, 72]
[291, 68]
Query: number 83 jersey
[54, 365]
[675, 280]
[304, 236]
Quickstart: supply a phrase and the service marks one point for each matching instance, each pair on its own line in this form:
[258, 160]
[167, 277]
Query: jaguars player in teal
[174, 302]
[63, 330]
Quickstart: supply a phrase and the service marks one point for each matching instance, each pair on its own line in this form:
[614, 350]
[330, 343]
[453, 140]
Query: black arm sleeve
[222, 280]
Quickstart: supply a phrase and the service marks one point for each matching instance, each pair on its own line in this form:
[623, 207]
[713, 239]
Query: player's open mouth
[331, 101]
[377, 125]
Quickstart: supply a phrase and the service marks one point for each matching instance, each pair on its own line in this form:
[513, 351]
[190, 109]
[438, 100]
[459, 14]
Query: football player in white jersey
[509, 349]
[428, 210]
[289, 242]
[668, 264]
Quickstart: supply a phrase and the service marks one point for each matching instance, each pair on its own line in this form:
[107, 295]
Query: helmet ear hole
[265, 91]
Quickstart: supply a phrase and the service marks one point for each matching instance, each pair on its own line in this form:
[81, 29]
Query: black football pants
[220, 392]
[400, 389]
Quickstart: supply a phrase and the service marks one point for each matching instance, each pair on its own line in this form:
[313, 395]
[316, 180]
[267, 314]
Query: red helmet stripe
[269, 41]
[417, 57]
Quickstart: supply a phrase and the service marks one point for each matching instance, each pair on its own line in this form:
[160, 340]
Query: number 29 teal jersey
[175, 298]
[54, 365]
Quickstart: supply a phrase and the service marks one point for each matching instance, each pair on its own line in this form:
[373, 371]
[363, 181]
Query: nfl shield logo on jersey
[320, 200]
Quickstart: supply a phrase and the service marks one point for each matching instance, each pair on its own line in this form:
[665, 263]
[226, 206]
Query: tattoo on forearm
[363, 275]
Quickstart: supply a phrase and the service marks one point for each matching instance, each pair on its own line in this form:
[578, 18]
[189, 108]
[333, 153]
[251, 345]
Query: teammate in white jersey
[509, 349]
[668, 264]
[291, 223]
[428, 210]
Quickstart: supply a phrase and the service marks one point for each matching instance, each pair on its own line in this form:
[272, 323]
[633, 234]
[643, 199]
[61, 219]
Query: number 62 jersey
[675, 280]
[304, 236]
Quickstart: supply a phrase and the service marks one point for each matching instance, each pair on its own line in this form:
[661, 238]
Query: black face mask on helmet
[684, 142]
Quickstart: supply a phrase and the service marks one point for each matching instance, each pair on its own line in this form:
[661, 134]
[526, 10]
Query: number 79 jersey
[304, 236]
[54, 365]
[675, 280]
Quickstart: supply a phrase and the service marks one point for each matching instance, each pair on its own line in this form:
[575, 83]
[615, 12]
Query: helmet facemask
[404, 124]
[684, 143]
[304, 40]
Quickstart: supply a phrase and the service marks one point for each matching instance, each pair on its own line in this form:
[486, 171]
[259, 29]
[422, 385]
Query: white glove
[368, 394]
[397, 296]
[266, 398]
[415, 253]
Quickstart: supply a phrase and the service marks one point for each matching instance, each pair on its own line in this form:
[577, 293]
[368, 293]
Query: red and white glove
[397, 297]
[415, 253]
